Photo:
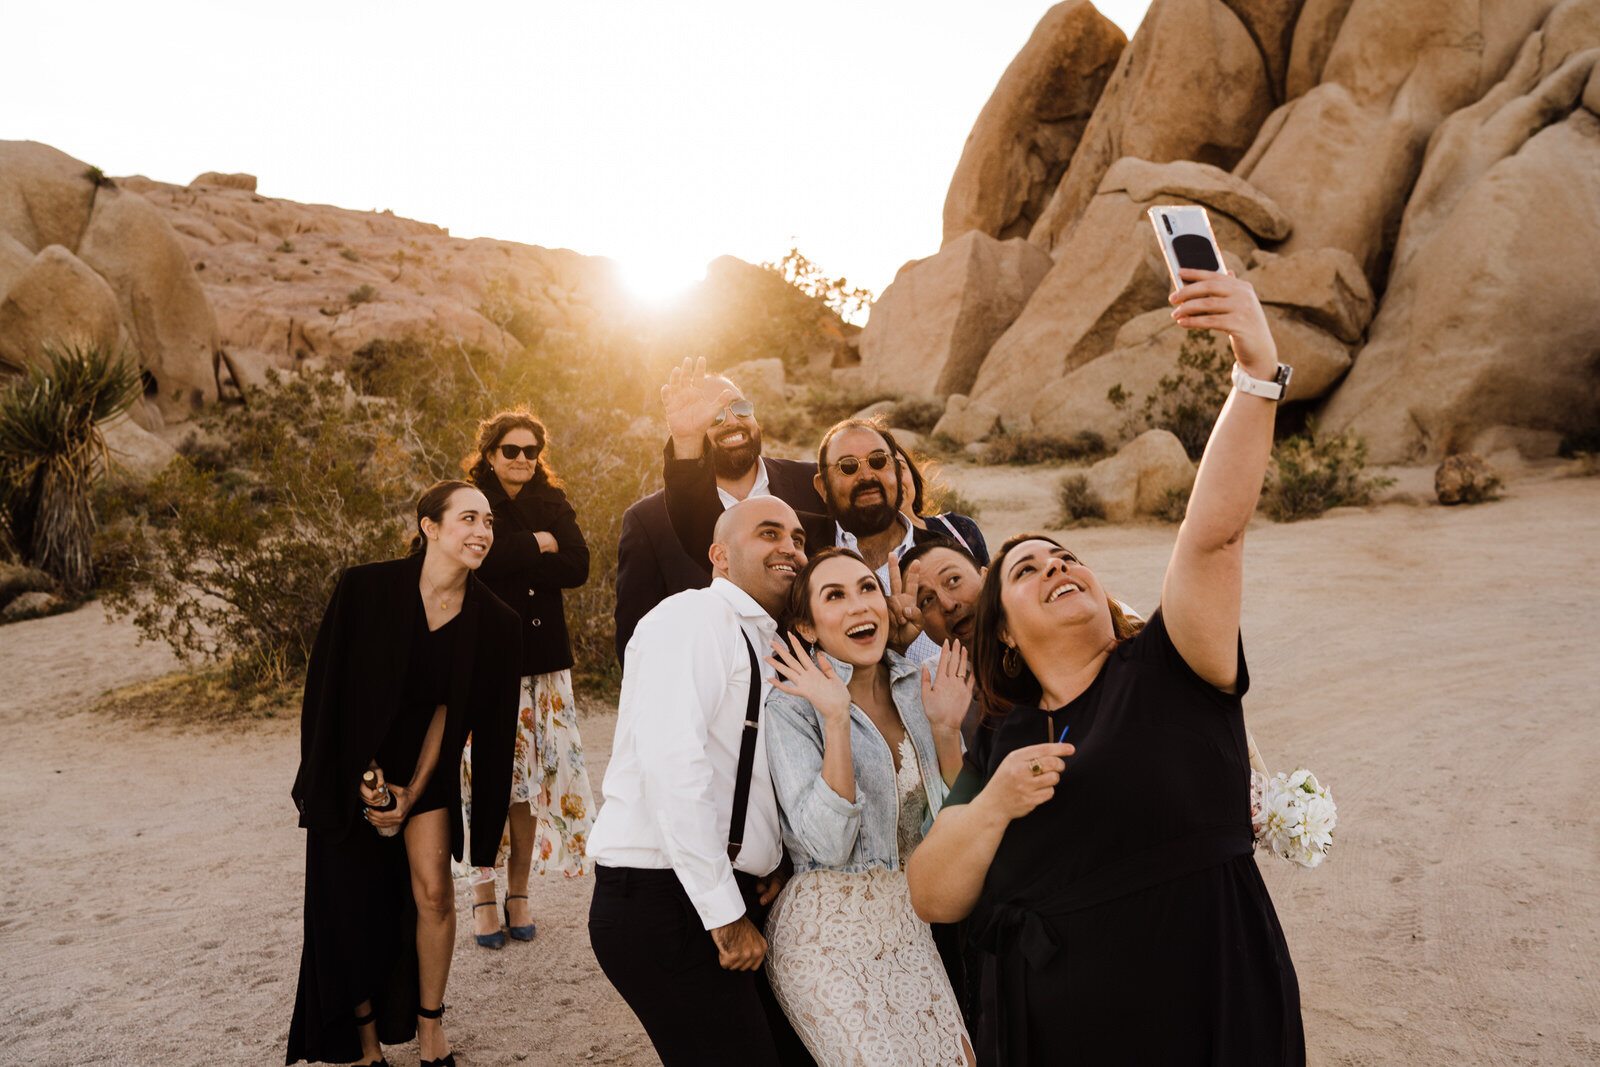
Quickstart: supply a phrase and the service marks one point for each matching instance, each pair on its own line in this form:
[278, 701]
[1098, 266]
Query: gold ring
[1035, 768]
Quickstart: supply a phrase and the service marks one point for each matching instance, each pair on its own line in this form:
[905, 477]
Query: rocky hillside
[209, 284]
[1413, 186]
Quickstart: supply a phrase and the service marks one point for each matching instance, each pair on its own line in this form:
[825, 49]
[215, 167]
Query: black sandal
[494, 940]
[449, 1058]
[521, 933]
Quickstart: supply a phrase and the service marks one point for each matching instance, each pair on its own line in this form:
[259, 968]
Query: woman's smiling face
[1043, 588]
[849, 613]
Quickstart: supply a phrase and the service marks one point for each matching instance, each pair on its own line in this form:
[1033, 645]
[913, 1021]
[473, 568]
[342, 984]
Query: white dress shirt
[763, 487]
[669, 787]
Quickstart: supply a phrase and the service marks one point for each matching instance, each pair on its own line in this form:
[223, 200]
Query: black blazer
[530, 581]
[353, 692]
[651, 561]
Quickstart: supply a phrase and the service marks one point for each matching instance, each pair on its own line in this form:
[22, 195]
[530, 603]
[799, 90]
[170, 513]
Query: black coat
[530, 581]
[651, 562]
[353, 692]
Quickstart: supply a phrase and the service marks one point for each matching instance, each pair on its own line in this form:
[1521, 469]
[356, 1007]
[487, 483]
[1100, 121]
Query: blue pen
[1063, 736]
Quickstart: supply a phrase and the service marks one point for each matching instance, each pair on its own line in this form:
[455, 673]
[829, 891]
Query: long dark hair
[490, 433]
[431, 505]
[916, 478]
[996, 689]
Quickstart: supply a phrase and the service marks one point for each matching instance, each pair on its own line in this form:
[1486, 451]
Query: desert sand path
[1438, 668]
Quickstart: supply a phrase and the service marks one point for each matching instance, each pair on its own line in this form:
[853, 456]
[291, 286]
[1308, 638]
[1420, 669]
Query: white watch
[1272, 390]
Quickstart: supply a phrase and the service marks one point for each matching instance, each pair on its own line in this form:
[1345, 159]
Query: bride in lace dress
[862, 747]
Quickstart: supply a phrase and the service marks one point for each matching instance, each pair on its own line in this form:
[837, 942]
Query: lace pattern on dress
[855, 970]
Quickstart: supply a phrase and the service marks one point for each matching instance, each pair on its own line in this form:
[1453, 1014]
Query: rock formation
[209, 280]
[1413, 187]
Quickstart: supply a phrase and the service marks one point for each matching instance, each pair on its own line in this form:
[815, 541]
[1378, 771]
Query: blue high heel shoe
[521, 933]
[494, 940]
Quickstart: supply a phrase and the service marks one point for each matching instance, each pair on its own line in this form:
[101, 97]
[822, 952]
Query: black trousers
[653, 948]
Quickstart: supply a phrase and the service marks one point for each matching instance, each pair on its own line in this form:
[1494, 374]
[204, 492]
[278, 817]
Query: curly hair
[490, 433]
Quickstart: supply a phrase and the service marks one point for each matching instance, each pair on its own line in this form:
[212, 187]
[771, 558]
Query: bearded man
[715, 427]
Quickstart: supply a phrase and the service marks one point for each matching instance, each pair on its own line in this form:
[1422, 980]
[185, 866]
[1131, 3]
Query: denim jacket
[820, 828]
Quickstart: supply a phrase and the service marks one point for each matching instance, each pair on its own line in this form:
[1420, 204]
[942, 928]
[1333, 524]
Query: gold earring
[1011, 662]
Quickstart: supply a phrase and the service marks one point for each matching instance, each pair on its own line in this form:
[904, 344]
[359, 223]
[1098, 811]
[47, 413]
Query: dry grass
[200, 699]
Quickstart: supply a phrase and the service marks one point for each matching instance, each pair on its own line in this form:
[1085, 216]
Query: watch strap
[1270, 390]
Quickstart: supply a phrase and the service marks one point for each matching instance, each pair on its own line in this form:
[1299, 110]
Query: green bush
[51, 454]
[1188, 401]
[361, 294]
[1077, 501]
[350, 254]
[1025, 449]
[286, 246]
[1311, 474]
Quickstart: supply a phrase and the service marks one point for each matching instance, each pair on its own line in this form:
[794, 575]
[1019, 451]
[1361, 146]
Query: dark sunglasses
[850, 464]
[511, 451]
[742, 409]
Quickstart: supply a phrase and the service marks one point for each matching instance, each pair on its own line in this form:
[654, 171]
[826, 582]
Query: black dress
[375, 678]
[1127, 920]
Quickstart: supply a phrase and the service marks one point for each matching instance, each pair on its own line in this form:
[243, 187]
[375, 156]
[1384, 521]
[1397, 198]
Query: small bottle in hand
[386, 800]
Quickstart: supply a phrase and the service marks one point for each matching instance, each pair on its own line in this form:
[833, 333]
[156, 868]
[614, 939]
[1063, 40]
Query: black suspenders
[747, 752]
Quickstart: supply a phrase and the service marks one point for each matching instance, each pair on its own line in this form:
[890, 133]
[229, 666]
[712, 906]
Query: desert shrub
[361, 294]
[939, 496]
[917, 413]
[96, 175]
[237, 564]
[1312, 473]
[1025, 449]
[52, 452]
[350, 254]
[1077, 501]
[1174, 505]
[286, 246]
[806, 417]
[1186, 402]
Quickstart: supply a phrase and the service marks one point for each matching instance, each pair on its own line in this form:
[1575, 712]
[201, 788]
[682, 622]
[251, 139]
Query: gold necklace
[444, 603]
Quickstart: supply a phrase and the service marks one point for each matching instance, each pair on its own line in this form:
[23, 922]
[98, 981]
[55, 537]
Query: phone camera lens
[1167, 221]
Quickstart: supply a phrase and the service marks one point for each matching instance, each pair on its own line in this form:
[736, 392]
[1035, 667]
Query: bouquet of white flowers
[1293, 815]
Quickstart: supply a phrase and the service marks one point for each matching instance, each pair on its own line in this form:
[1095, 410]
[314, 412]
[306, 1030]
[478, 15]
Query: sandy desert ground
[1437, 667]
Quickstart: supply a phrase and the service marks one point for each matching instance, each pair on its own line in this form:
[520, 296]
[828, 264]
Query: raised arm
[1200, 598]
[808, 753]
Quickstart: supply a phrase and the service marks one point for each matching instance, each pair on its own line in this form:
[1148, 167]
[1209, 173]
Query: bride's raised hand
[810, 680]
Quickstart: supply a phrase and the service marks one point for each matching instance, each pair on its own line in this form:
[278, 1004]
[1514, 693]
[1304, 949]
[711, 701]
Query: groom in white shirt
[674, 923]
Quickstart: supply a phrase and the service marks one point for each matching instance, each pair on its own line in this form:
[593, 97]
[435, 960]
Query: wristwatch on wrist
[1272, 390]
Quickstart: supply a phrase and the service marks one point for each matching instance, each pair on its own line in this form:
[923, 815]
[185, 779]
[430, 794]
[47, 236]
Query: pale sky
[661, 135]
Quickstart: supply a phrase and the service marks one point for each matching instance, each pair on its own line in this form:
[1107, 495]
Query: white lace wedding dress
[855, 970]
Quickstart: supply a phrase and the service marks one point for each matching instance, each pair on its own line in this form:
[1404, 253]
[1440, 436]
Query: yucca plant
[52, 450]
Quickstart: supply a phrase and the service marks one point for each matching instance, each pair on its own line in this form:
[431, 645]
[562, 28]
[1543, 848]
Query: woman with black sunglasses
[538, 552]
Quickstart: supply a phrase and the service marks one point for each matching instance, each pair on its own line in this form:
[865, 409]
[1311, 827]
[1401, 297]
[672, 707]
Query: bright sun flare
[658, 281]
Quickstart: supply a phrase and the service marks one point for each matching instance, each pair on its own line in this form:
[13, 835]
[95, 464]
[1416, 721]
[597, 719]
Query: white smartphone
[1186, 239]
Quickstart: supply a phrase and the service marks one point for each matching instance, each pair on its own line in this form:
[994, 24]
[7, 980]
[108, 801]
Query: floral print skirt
[547, 773]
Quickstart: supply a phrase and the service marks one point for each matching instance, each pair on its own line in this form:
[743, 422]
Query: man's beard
[865, 520]
[736, 462]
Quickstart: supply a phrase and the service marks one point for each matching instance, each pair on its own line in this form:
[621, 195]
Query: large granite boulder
[1108, 272]
[164, 310]
[1025, 135]
[1341, 157]
[1193, 84]
[1490, 316]
[57, 301]
[931, 328]
[45, 195]
[1141, 477]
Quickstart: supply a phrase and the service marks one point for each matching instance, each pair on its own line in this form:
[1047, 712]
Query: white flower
[1296, 817]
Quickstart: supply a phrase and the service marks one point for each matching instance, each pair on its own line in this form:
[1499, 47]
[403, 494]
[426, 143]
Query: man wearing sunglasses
[855, 480]
[713, 425]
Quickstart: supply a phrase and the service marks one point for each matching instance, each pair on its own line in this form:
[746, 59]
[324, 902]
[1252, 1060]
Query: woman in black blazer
[538, 551]
[413, 654]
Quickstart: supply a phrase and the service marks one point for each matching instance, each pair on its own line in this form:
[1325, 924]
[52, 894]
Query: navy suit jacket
[651, 562]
